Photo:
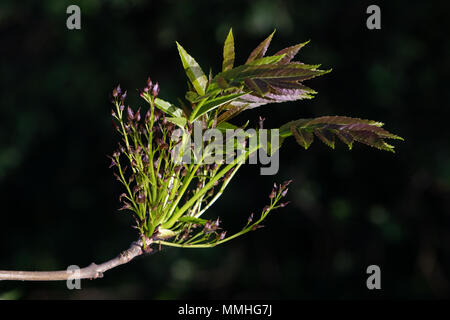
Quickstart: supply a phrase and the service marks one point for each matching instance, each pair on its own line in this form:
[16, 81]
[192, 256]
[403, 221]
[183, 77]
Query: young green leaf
[213, 104]
[179, 121]
[267, 60]
[193, 71]
[228, 52]
[188, 219]
[169, 108]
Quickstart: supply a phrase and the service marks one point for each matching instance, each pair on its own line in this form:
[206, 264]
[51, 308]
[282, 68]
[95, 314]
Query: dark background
[350, 209]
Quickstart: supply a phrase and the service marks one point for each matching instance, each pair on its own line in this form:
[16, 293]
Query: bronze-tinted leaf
[261, 49]
[345, 128]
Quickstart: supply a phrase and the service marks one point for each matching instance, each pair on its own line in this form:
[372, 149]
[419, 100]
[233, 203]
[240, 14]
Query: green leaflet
[228, 52]
[346, 129]
[179, 121]
[226, 125]
[267, 60]
[188, 219]
[193, 71]
[203, 108]
[169, 108]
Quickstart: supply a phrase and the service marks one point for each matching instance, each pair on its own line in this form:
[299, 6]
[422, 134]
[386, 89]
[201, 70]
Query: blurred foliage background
[349, 209]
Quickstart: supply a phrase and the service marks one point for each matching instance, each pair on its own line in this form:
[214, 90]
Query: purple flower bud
[122, 107]
[157, 114]
[137, 116]
[155, 90]
[257, 226]
[119, 90]
[115, 91]
[113, 163]
[124, 95]
[140, 198]
[284, 204]
[130, 114]
[125, 206]
[113, 113]
[250, 218]
[222, 235]
[285, 184]
[272, 195]
[149, 82]
[266, 208]
[147, 116]
[123, 195]
[145, 158]
[211, 226]
[116, 154]
[283, 194]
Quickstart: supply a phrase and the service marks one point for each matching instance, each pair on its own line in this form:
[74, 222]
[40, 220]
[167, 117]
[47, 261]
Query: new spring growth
[170, 186]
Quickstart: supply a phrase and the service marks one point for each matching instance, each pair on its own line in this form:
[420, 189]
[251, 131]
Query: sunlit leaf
[188, 219]
[213, 104]
[267, 60]
[179, 121]
[228, 52]
[193, 71]
[169, 108]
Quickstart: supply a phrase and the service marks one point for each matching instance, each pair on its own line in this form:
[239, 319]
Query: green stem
[208, 186]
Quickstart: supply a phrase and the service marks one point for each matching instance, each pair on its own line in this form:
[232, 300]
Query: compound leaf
[346, 129]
